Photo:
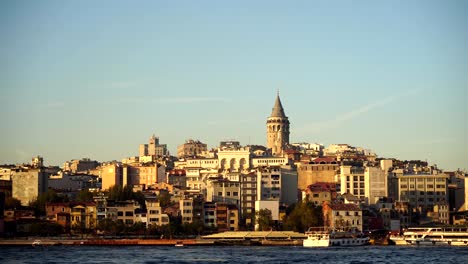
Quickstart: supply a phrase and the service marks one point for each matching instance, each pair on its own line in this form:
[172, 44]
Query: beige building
[186, 210]
[37, 162]
[153, 148]
[318, 170]
[28, 184]
[223, 190]
[366, 183]
[82, 165]
[155, 215]
[191, 148]
[140, 175]
[342, 216]
[83, 215]
[423, 191]
[277, 129]
[125, 211]
[234, 159]
[111, 174]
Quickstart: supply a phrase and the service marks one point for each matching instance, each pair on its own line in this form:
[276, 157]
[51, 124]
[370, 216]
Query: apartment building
[423, 191]
[343, 216]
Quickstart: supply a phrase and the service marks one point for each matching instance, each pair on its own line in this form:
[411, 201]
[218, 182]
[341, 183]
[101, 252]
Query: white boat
[36, 243]
[326, 237]
[456, 236]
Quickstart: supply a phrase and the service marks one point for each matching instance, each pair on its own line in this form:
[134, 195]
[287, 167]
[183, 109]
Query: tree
[302, 216]
[12, 203]
[48, 197]
[84, 196]
[264, 219]
[46, 229]
[119, 193]
[164, 199]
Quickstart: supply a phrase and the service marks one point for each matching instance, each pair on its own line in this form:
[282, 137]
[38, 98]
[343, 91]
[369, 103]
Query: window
[128, 213]
[361, 178]
[235, 193]
[119, 213]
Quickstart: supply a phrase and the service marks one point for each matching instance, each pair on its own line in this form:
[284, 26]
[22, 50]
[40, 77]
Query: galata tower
[277, 129]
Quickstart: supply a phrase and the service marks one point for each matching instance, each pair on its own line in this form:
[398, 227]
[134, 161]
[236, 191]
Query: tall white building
[366, 183]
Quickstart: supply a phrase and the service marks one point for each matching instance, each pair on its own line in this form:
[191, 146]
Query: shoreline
[41, 242]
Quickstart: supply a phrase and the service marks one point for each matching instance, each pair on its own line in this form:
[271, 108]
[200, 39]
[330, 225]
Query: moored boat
[456, 236]
[326, 237]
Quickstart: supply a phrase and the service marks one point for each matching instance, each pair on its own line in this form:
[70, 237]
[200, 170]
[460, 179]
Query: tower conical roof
[278, 110]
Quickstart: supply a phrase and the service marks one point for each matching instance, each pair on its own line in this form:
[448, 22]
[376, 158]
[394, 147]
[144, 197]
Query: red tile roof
[325, 159]
[344, 207]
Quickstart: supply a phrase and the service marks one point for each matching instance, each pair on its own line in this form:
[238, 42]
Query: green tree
[119, 193]
[85, 196]
[264, 219]
[303, 215]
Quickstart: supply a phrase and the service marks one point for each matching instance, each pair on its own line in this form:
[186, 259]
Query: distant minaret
[277, 128]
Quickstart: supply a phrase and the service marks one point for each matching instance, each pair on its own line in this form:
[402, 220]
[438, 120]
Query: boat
[456, 236]
[36, 243]
[326, 237]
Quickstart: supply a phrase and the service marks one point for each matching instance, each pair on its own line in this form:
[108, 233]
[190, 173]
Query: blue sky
[97, 78]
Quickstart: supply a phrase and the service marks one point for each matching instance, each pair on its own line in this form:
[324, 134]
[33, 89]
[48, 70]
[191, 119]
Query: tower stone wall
[277, 129]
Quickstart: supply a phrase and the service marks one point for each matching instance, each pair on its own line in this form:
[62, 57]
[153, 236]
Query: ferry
[326, 237]
[456, 236]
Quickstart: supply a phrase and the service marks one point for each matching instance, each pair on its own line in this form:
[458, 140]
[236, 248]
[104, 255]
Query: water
[233, 254]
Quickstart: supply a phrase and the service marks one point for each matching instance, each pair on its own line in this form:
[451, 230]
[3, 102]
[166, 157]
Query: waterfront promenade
[103, 242]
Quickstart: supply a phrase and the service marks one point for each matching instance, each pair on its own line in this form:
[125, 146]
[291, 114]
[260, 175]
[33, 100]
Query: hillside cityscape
[281, 186]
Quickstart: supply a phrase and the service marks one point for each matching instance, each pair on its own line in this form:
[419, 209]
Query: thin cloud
[193, 100]
[340, 119]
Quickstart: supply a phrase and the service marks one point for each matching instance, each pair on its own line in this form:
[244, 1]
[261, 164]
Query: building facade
[191, 148]
[277, 127]
[423, 191]
[28, 184]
